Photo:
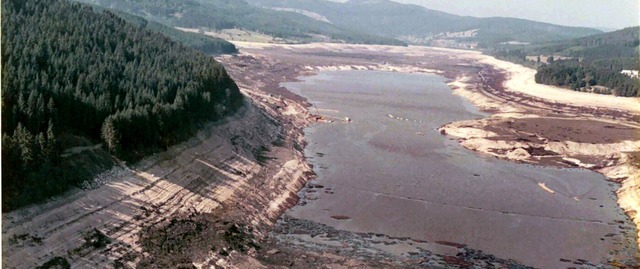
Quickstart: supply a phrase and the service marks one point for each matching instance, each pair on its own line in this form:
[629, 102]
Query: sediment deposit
[523, 126]
[246, 170]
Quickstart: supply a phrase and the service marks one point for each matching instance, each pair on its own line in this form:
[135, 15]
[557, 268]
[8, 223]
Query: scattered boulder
[518, 154]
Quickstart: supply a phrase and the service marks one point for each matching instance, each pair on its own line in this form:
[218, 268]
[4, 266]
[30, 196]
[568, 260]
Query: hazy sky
[615, 14]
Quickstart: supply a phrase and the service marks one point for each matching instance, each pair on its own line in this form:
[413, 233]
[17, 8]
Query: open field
[239, 35]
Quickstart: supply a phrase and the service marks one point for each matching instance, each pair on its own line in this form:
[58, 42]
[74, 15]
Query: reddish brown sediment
[535, 130]
[524, 128]
[219, 171]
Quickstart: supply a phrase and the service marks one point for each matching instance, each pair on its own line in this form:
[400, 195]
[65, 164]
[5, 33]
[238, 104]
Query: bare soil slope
[243, 170]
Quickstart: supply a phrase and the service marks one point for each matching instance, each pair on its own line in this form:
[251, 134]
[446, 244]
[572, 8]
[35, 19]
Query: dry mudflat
[528, 123]
[232, 182]
[542, 124]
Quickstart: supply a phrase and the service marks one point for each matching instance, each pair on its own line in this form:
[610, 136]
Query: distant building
[631, 73]
[545, 59]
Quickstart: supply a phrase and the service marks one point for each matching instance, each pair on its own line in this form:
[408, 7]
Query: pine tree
[110, 135]
[24, 140]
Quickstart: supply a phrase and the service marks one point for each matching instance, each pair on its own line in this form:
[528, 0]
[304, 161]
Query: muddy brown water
[390, 171]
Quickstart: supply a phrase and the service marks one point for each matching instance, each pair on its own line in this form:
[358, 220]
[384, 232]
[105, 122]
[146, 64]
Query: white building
[631, 73]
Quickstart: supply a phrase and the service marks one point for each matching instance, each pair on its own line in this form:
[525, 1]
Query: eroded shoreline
[606, 141]
[482, 84]
[247, 170]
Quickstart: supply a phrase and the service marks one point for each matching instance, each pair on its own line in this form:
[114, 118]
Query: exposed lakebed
[389, 171]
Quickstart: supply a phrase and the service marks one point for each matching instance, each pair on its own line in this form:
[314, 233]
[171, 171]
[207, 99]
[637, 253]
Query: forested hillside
[617, 44]
[206, 44]
[230, 14]
[595, 61]
[71, 74]
[408, 22]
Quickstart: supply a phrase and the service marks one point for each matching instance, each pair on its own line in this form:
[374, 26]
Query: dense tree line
[67, 70]
[597, 61]
[515, 55]
[582, 77]
[581, 73]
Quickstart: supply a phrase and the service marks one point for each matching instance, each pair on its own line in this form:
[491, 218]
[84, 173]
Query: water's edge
[539, 185]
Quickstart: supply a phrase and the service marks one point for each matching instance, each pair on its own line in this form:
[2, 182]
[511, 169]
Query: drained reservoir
[390, 171]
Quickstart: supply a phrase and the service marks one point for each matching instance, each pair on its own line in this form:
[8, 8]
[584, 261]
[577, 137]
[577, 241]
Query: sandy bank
[501, 135]
[522, 79]
[616, 161]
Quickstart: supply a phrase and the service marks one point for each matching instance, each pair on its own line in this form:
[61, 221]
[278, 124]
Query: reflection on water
[392, 172]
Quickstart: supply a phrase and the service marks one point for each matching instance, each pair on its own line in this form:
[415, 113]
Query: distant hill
[203, 43]
[230, 14]
[617, 44]
[420, 25]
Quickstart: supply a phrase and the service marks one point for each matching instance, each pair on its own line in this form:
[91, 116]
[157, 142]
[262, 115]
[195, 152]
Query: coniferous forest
[578, 76]
[595, 61]
[602, 58]
[68, 71]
